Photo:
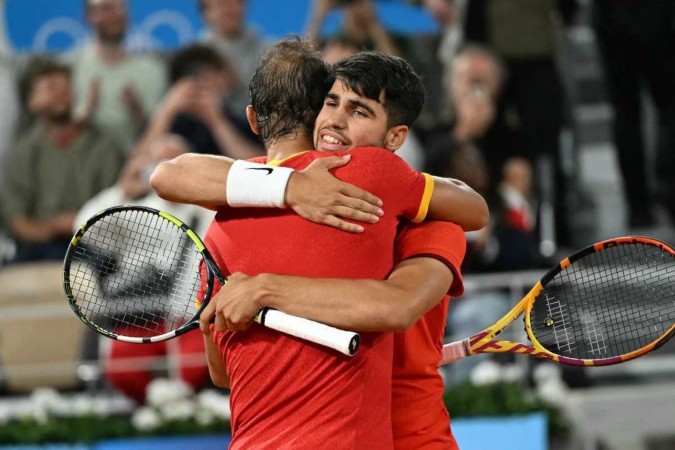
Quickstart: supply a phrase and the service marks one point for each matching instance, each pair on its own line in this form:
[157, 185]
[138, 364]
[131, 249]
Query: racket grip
[453, 351]
[346, 342]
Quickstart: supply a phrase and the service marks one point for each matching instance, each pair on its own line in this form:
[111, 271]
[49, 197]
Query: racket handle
[346, 342]
[454, 351]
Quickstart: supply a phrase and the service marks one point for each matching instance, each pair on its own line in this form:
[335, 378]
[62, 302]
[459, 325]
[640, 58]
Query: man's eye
[359, 113]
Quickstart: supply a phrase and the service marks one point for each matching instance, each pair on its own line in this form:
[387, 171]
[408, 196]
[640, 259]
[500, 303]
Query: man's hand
[133, 103]
[234, 306]
[86, 110]
[318, 196]
[474, 117]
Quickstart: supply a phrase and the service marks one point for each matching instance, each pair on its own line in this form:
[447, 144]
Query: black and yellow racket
[606, 304]
[133, 274]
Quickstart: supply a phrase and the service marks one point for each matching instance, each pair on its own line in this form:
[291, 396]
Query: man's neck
[61, 132]
[285, 147]
[110, 52]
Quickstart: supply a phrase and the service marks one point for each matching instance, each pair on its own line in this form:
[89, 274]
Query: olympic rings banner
[59, 25]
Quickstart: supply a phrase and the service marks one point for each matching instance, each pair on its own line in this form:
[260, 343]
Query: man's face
[472, 72]
[225, 17]
[109, 19]
[349, 120]
[51, 96]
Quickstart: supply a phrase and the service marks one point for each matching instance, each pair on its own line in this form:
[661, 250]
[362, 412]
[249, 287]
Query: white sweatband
[253, 184]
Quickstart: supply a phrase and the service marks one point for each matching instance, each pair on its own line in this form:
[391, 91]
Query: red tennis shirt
[288, 393]
[419, 417]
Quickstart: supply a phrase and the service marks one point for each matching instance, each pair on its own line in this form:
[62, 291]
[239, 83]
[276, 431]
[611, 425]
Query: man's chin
[113, 38]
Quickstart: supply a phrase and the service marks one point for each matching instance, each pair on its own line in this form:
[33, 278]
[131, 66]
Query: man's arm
[217, 369]
[312, 193]
[395, 304]
[454, 201]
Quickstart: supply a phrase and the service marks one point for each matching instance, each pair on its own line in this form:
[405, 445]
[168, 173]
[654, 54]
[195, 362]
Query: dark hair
[288, 88]
[189, 60]
[370, 74]
[40, 66]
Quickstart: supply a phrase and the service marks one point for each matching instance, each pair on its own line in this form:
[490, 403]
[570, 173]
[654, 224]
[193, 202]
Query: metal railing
[661, 363]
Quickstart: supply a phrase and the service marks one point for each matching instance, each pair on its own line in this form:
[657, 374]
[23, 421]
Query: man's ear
[252, 118]
[395, 137]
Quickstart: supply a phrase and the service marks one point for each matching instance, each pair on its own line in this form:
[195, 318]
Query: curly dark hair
[369, 74]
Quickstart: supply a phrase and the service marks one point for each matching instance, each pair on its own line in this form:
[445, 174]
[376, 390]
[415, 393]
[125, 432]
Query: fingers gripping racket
[133, 273]
[606, 304]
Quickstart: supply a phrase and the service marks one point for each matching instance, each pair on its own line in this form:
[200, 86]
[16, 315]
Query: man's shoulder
[376, 153]
[32, 135]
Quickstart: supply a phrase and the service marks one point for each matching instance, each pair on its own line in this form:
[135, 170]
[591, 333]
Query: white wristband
[253, 184]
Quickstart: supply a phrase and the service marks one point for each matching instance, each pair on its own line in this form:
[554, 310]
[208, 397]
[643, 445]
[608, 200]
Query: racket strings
[135, 273]
[607, 303]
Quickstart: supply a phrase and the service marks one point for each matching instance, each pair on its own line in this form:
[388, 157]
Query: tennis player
[429, 256]
[280, 385]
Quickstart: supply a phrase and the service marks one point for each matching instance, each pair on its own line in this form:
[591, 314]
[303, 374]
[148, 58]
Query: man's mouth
[331, 141]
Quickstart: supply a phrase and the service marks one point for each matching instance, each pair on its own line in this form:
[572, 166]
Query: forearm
[454, 201]
[194, 179]
[383, 41]
[160, 124]
[229, 139]
[30, 230]
[217, 369]
[395, 304]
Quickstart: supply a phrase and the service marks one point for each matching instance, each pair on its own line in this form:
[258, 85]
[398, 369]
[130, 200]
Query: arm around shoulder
[194, 179]
[454, 201]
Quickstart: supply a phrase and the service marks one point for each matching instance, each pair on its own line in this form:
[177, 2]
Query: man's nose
[337, 119]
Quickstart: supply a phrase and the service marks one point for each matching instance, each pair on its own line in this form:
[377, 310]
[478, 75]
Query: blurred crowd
[83, 131]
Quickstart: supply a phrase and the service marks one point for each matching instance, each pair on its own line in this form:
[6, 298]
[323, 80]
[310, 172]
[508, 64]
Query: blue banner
[59, 25]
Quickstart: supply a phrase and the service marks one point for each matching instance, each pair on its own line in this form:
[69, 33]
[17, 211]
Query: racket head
[132, 273]
[606, 304]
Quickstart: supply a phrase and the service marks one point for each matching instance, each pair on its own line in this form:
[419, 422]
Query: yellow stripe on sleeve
[426, 198]
[279, 162]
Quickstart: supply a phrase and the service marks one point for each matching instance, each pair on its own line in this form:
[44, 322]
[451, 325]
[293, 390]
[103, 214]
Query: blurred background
[560, 112]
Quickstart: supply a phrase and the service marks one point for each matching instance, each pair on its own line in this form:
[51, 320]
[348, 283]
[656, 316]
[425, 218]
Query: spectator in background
[430, 52]
[56, 165]
[115, 89]
[637, 48]
[242, 46]
[195, 107]
[522, 33]
[360, 24]
[474, 85]
[9, 118]
[131, 367]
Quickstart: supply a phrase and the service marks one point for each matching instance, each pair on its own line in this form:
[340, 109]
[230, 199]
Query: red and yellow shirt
[419, 417]
[288, 393]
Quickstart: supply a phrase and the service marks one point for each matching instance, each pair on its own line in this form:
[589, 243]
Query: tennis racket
[606, 304]
[133, 274]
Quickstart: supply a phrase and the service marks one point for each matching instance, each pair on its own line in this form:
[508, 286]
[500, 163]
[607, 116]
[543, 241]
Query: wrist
[257, 185]
[290, 189]
[266, 296]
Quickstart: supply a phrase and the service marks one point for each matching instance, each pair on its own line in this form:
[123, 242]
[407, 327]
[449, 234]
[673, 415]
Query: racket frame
[345, 342]
[211, 269]
[484, 342]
